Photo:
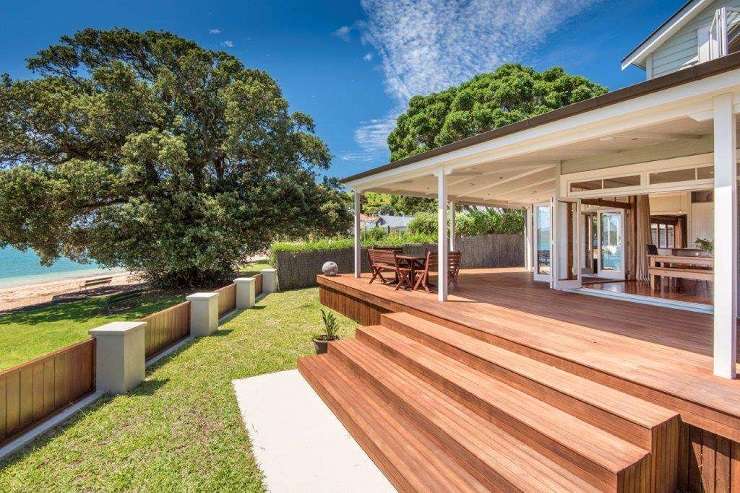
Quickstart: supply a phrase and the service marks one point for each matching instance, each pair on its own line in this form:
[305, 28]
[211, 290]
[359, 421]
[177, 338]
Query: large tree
[146, 151]
[487, 101]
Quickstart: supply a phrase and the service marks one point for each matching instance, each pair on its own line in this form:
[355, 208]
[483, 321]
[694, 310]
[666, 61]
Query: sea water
[19, 268]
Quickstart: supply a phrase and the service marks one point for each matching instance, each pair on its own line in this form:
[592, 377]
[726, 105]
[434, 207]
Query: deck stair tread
[623, 405]
[575, 442]
[409, 458]
[513, 464]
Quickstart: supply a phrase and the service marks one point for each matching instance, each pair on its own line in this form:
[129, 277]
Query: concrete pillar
[245, 293]
[269, 281]
[203, 314]
[357, 246]
[442, 248]
[725, 236]
[119, 356]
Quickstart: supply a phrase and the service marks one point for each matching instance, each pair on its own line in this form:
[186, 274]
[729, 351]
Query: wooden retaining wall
[707, 462]
[226, 299]
[35, 390]
[166, 327]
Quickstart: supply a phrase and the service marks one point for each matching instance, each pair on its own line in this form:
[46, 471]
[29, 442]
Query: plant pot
[321, 344]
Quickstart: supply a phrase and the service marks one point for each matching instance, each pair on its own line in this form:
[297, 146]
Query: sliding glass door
[567, 265]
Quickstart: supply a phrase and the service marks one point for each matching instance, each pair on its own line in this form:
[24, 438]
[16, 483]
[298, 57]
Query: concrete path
[298, 442]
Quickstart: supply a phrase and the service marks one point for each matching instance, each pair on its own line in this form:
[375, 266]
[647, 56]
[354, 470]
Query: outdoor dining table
[414, 262]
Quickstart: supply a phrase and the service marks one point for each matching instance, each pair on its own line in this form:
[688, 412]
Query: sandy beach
[45, 292]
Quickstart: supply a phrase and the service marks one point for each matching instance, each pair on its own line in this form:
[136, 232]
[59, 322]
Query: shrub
[424, 223]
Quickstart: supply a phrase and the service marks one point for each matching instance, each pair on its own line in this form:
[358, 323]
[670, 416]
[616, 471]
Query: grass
[27, 334]
[181, 429]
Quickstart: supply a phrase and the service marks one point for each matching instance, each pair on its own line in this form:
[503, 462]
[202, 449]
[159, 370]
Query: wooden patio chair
[382, 260]
[454, 259]
[430, 267]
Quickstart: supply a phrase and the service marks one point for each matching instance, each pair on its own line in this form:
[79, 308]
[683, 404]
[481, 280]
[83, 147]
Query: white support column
[725, 236]
[528, 228]
[358, 237]
[442, 248]
[452, 226]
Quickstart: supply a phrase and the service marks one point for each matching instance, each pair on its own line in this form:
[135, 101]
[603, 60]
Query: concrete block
[269, 280]
[203, 313]
[119, 356]
[245, 292]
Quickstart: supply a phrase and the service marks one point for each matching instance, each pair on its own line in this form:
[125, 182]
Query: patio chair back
[382, 260]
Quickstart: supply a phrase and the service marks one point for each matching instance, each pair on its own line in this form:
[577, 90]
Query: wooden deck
[661, 348]
[540, 367]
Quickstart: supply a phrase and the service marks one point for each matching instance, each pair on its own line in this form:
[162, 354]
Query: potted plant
[321, 341]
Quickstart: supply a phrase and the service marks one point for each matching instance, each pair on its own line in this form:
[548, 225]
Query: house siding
[682, 49]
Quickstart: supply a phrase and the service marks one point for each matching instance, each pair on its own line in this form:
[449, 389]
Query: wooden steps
[508, 421]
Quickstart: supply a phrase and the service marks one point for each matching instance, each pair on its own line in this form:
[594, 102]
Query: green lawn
[180, 430]
[26, 334]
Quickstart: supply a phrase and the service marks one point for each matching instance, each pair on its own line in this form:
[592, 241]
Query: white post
[203, 313]
[119, 356]
[528, 232]
[442, 235]
[245, 294]
[452, 226]
[725, 236]
[358, 238]
[269, 280]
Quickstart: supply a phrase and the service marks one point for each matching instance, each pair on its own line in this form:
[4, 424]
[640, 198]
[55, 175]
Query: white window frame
[643, 170]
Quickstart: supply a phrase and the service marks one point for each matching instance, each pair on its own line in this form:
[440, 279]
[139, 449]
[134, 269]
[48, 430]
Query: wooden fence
[257, 284]
[37, 389]
[226, 299]
[166, 327]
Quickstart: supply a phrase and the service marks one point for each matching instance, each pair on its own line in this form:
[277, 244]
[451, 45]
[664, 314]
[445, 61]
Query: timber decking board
[508, 465]
[658, 349]
[486, 405]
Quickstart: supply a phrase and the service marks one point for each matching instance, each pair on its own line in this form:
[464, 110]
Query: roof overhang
[639, 54]
[523, 156]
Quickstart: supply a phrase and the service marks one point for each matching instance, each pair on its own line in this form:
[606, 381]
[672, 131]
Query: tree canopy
[491, 100]
[146, 151]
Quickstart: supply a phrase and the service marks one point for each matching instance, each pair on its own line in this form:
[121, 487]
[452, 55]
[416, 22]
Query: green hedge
[473, 223]
[376, 237]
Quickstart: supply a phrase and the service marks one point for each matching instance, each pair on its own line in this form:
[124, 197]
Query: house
[393, 223]
[609, 361]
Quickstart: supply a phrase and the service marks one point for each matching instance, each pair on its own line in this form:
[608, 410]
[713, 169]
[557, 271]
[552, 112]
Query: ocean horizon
[18, 268]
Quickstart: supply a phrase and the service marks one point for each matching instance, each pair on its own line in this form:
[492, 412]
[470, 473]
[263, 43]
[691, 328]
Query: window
[664, 235]
[672, 176]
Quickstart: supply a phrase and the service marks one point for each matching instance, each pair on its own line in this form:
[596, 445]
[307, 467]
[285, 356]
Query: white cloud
[228, 43]
[342, 33]
[371, 136]
[429, 45]
[368, 57]
[215, 30]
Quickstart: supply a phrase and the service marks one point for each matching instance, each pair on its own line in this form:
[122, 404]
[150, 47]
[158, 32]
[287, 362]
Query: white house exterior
[667, 143]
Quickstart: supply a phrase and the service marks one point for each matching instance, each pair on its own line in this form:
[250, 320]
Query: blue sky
[353, 64]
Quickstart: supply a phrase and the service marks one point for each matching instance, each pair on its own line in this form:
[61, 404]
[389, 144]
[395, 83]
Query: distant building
[393, 223]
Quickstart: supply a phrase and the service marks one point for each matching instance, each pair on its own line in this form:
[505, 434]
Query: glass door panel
[542, 239]
[567, 230]
[611, 244]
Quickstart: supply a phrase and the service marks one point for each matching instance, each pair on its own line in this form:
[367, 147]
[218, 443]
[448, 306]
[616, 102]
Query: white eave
[638, 56]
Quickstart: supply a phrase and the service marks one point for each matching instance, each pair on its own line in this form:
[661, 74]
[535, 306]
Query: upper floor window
[723, 35]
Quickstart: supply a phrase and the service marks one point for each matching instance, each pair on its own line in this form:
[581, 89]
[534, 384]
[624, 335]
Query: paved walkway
[297, 441]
